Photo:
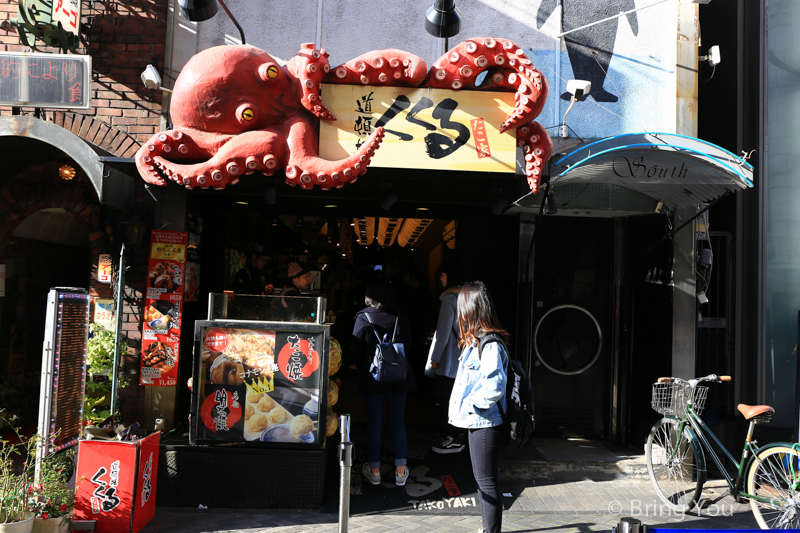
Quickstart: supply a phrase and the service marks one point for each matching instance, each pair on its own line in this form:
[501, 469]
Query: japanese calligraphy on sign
[104, 497]
[425, 128]
[45, 80]
[68, 13]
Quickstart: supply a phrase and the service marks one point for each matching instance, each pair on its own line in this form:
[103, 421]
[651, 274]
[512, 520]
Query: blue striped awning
[677, 170]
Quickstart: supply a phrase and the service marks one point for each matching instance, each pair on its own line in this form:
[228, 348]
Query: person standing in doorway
[442, 363]
[381, 317]
[299, 280]
[251, 279]
[478, 400]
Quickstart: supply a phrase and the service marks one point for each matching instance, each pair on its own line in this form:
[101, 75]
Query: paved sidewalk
[565, 507]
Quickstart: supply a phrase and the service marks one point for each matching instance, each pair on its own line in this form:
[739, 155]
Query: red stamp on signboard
[450, 485]
[481, 139]
[217, 340]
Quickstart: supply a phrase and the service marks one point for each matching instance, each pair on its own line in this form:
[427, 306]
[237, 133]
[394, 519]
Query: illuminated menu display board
[64, 367]
[45, 80]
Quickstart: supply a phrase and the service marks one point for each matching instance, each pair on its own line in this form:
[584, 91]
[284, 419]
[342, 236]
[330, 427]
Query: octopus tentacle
[306, 168]
[309, 67]
[254, 151]
[459, 68]
[536, 146]
[381, 67]
[175, 144]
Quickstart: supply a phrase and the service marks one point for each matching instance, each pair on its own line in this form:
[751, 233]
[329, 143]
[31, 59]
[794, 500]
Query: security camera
[579, 88]
[713, 56]
[151, 78]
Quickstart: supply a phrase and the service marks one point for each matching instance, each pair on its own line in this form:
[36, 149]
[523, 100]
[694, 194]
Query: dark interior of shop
[459, 217]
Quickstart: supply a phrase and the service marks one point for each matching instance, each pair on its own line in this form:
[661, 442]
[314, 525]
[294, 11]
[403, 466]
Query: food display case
[259, 406]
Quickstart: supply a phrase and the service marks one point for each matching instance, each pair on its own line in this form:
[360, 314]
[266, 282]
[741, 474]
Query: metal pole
[117, 329]
[346, 463]
[236, 22]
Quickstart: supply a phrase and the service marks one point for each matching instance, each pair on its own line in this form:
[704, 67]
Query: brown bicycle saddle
[752, 411]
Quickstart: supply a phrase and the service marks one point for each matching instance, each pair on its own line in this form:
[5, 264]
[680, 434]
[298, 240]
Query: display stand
[116, 483]
[259, 406]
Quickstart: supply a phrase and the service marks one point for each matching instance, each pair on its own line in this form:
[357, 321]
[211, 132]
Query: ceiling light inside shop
[242, 203]
[423, 209]
[331, 205]
[412, 229]
[364, 229]
[66, 172]
[388, 228]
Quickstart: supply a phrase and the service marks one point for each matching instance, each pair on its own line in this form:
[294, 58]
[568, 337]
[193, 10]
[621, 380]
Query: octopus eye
[246, 113]
[269, 71]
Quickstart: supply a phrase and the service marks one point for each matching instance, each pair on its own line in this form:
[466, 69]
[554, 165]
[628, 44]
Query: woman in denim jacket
[478, 395]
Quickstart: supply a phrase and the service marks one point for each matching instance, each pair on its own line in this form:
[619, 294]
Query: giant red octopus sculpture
[236, 111]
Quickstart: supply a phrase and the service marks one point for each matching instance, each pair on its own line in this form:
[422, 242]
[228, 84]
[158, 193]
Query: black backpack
[519, 420]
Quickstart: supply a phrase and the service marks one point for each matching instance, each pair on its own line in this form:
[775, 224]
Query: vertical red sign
[163, 308]
[481, 139]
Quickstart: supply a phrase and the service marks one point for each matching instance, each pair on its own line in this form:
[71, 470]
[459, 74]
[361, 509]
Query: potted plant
[52, 501]
[16, 467]
[99, 366]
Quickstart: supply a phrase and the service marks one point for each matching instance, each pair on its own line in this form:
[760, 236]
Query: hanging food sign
[163, 308]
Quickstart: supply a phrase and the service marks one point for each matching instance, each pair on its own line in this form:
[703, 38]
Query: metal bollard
[629, 525]
[345, 464]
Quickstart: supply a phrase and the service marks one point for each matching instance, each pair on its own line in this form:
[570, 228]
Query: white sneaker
[450, 445]
[400, 479]
[375, 479]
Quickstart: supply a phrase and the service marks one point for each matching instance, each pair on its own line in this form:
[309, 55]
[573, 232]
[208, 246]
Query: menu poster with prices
[239, 396]
[163, 308]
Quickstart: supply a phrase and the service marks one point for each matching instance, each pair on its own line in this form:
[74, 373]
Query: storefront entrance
[573, 281]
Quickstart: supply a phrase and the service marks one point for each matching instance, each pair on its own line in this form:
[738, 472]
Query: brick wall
[122, 38]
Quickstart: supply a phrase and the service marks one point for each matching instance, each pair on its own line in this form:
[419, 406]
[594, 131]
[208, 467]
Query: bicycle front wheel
[770, 476]
[674, 462]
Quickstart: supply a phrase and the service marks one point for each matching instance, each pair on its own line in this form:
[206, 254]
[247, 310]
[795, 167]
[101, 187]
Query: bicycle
[676, 463]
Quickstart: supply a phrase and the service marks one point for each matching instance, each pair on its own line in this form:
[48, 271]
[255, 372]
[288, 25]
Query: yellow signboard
[425, 128]
[163, 250]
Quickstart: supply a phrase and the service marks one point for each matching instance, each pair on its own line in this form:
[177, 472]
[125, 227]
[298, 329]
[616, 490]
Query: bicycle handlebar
[694, 382]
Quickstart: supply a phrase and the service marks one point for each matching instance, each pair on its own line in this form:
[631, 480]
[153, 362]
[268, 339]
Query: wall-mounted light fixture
[443, 19]
[200, 10]
[134, 231]
[389, 201]
[550, 207]
[66, 172]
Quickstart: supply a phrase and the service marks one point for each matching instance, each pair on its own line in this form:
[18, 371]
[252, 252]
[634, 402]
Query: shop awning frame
[677, 170]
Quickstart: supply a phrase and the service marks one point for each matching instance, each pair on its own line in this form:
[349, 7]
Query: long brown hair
[476, 314]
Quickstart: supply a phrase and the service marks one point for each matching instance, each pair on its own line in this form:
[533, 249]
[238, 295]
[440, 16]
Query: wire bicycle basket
[670, 399]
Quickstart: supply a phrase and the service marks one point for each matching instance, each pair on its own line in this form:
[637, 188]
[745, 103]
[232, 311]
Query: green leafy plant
[15, 474]
[100, 361]
[52, 498]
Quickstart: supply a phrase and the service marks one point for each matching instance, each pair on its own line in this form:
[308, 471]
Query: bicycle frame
[749, 454]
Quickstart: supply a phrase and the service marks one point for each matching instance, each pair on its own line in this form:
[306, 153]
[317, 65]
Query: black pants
[484, 449]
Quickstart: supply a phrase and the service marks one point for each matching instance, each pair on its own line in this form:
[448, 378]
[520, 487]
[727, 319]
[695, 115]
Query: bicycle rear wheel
[770, 476]
[675, 463]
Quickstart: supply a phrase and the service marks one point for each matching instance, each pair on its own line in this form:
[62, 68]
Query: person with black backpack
[381, 319]
[478, 399]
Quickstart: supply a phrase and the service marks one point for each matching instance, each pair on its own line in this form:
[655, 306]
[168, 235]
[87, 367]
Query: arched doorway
[49, 248]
